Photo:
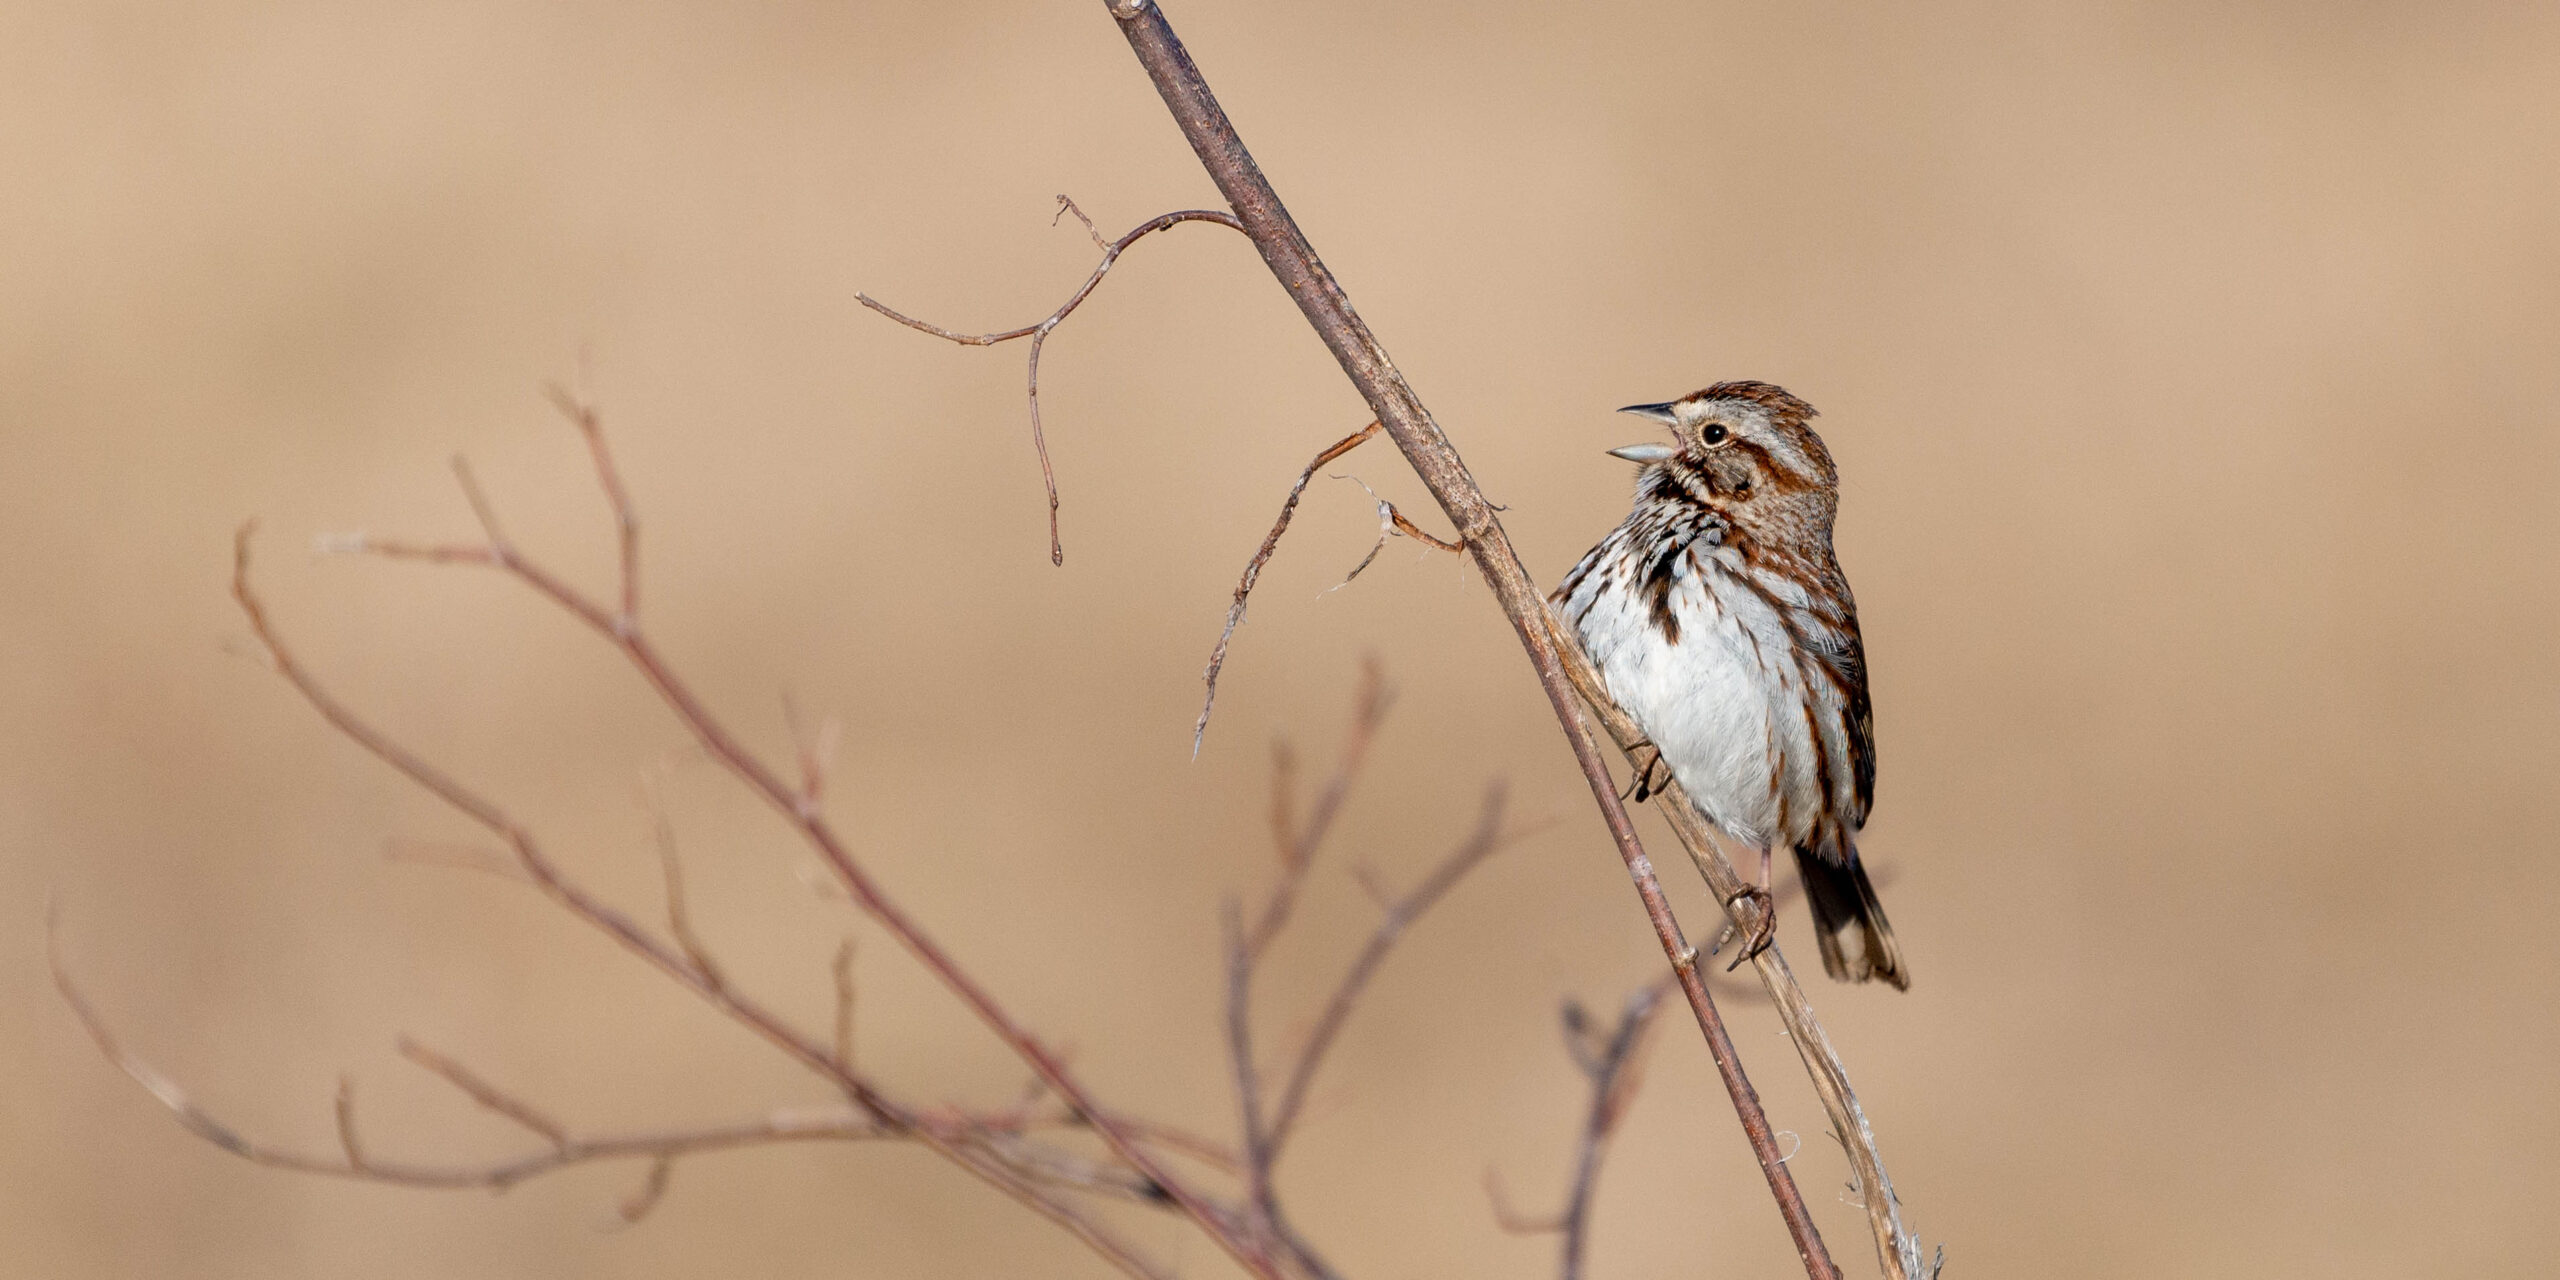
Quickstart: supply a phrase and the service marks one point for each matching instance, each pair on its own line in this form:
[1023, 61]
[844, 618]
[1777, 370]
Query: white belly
[1720, 703]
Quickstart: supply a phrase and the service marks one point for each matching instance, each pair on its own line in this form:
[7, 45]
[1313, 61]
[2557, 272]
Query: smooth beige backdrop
[2192, 369]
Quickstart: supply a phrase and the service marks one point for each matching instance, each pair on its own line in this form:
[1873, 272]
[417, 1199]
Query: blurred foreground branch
[1613, 1060]
[1228, 1194]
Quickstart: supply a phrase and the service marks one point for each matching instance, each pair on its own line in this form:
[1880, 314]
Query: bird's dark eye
[1714, 433]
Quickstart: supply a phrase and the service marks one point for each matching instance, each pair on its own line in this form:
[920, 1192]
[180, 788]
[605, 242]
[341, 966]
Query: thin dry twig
[1253, 571]
[459, 856]
[486, 1094]
[671, 867]
[581, 414]
[843, 971]
[1614, 1063]
[1391, 523]
[1298, 839]
[1007, 1161]
[1487, 839]
[354, 1159]
[816, 752]
[348, 1142]
[1266, 1129]
[652, 1189]
[1039, 331]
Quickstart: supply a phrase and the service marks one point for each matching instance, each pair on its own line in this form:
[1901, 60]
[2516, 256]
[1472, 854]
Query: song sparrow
[1719, 619]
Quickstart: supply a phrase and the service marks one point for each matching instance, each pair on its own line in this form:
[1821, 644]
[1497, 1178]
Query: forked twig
[488, 1095]
[1487, 839]
[581, 414]
[1298, 840]
[1039, 331]
[1391, 523]
[1267, 1128]
[1614, 1063]
[679, 920]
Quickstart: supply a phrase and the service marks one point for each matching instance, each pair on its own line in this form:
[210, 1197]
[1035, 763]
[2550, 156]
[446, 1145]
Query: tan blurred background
[2193, 371]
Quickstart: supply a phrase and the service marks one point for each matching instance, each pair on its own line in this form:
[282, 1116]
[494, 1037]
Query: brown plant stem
[1396, 915]
[1614, 1063]
[1400, 412]
[1266, 1129]
[1253, 572]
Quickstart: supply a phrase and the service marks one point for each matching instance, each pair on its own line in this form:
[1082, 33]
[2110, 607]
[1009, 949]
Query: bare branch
[1067, 206]
[347, 1140]
[817, 752]
[1613, 1060]
[1038, 332]
[1511, 1220]
[353, 1159]
[1615, 1077]
[844, 1004]
[461, 857]
[1240, 1060]
[626, 522]
[671, 865]
[1299, 840]
[1391, 523]
[652, 1190]
[486, 1094]
[499, 550]
[1487, 839]
[1253, 571]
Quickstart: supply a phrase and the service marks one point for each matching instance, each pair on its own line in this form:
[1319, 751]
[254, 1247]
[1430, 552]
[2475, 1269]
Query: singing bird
[1719, 618]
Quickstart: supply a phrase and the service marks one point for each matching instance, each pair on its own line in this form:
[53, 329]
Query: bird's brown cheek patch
[1765, 473]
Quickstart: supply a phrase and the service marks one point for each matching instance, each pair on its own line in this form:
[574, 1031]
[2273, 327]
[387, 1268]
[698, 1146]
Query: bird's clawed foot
[1651, 774]
[1762, 932]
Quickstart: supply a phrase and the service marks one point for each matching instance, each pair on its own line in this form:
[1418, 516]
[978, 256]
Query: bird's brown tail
[1857, 941]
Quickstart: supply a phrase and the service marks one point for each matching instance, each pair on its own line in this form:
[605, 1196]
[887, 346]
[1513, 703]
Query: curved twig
[1038, 331]
[1253, 572]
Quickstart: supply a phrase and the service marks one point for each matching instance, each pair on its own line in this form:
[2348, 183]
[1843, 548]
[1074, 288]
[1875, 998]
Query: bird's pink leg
[1765, 930]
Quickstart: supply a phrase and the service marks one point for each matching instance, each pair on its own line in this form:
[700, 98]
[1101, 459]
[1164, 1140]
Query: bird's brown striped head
[1748, 450]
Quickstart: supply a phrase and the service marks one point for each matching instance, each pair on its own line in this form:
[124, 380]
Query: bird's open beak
[1661, 413]
[1644, 452]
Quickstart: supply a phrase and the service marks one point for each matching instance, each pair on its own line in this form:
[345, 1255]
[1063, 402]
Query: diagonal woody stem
[1400, 412]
